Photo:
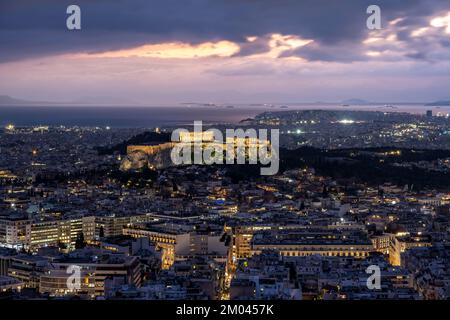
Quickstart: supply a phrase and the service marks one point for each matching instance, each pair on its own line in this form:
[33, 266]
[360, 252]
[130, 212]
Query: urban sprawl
[354, 189]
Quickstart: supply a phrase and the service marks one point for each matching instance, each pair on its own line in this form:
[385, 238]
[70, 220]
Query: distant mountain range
[439, 103]
[365, 102]
[9, 101]
[6, 100]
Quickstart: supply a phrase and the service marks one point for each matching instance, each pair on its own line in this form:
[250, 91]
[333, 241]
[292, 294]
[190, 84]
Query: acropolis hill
[158, 156]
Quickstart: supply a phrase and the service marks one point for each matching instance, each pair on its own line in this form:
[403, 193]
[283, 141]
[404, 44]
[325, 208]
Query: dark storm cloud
[417, 55]
[31, 28]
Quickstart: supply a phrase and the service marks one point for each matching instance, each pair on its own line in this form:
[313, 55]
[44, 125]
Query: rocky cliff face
[153, 158]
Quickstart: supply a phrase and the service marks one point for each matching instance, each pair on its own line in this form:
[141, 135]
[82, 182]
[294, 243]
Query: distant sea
[145, 117]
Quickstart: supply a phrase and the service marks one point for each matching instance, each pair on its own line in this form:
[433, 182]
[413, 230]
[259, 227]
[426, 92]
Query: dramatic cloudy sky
[171, 51]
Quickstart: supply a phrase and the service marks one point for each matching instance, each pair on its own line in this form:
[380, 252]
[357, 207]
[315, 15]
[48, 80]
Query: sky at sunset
[226, 51]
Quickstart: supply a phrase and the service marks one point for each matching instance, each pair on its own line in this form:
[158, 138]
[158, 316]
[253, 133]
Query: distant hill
[7, 100]
[439, 103]
[10, 101]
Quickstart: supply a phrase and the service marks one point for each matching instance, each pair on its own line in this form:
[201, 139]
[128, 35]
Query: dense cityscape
[69, 197]
[224, 159]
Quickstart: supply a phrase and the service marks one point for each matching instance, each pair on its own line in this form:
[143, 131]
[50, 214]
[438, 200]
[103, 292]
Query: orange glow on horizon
[277, 44]
[172, 50]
